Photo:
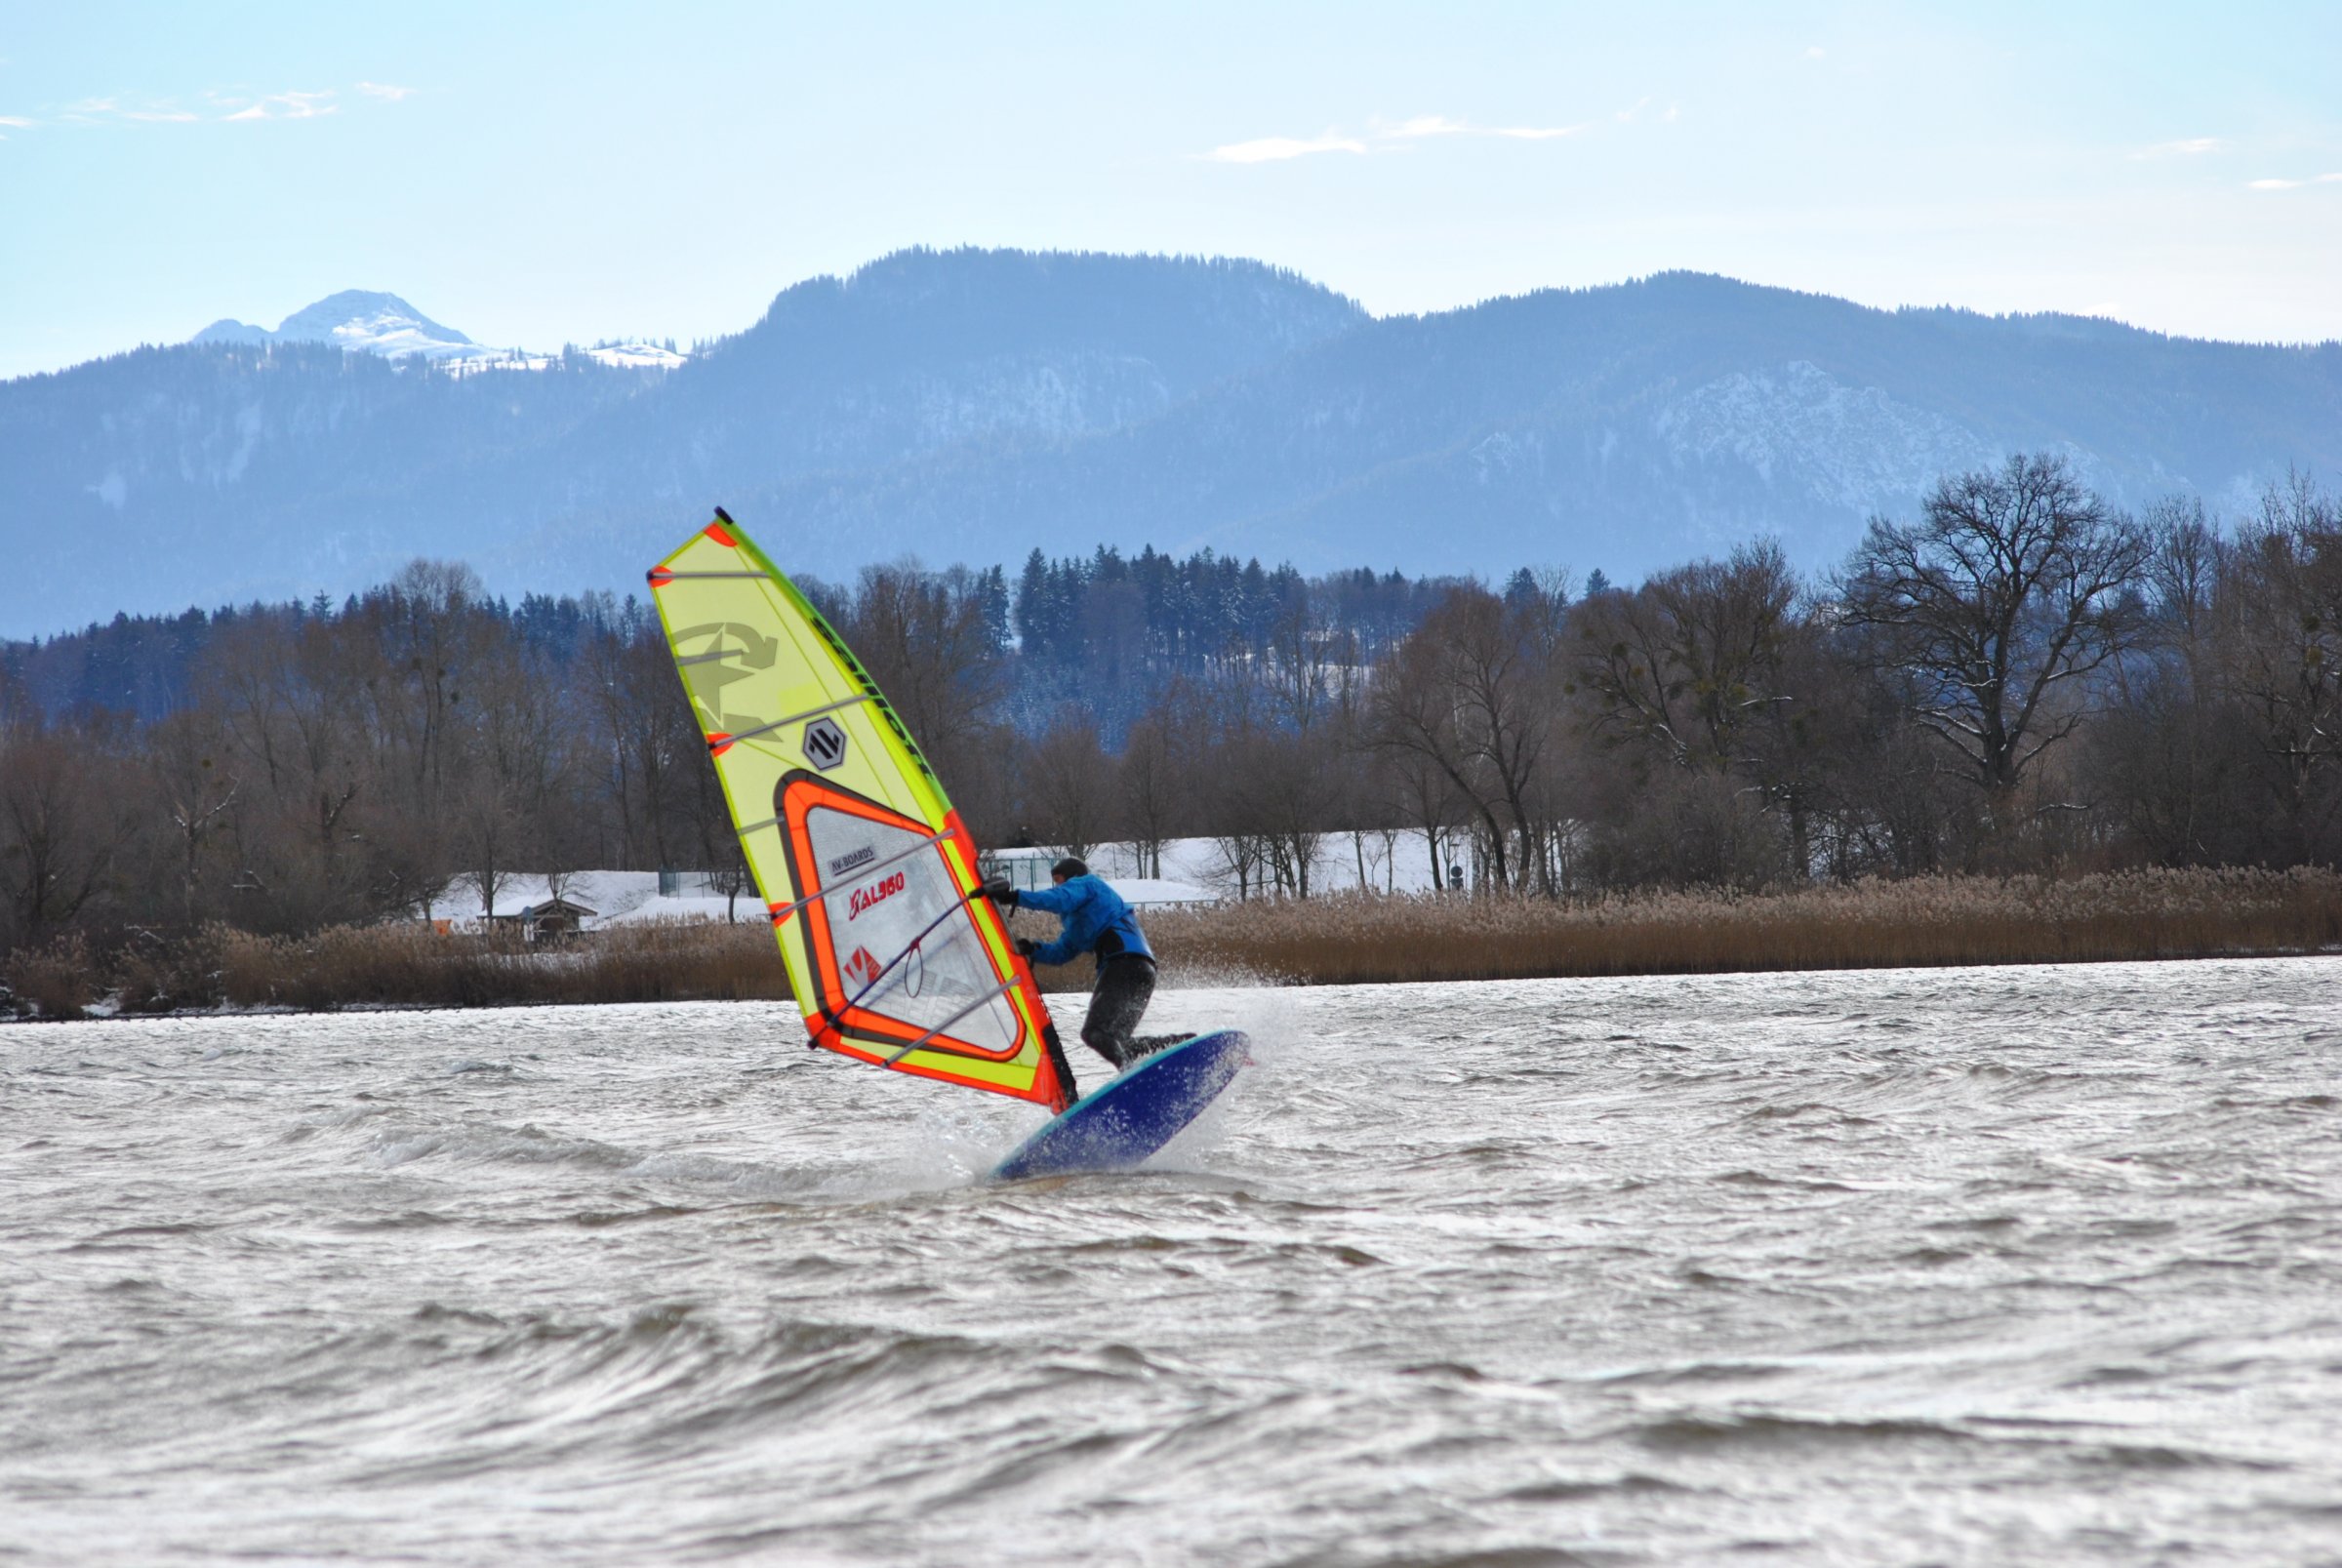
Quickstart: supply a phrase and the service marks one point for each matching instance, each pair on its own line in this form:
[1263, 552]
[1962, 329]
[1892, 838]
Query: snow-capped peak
[363, 321]
[357, 319]
[378, 323]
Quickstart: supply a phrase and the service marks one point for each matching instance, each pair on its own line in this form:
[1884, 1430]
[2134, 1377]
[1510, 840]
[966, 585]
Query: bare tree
[930, 641]
[923, 637]
[2281, 629]
[63, 826]
[285, 706]
[196, 793]
[2159, 750]
[1419, 790]
[1691, 658]
[1154, 790]
[732, 877]
[2014, 587]
[644, 737]
[489, 836]
[1282, 791]
[1070, 785]
[429, 628]
[1304, 666]
[1467, 694]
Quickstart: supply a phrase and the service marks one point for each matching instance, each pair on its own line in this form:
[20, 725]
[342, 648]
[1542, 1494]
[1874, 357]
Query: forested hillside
[1626, 428]
[970, 404]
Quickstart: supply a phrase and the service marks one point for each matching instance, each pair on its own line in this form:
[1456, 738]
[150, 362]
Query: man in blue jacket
[1096, 921]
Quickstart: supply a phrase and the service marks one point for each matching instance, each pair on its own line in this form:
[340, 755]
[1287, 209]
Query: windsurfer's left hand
[1026, 947]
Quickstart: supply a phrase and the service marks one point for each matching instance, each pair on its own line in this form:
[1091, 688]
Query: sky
[535, 175]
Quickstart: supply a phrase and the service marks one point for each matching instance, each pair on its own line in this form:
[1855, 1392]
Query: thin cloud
[1387, 137]
[1278, 149]
[1430, 125]
[1626, 116]
[2295, 184]
[288, 107]
[215, 106]
[2192, 147]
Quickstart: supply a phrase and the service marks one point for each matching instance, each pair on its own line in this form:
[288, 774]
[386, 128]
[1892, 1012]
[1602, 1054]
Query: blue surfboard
[1117, 1125]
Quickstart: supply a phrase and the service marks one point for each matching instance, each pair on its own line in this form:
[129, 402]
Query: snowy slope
[631, 897]
[637, 355]
[367, 322]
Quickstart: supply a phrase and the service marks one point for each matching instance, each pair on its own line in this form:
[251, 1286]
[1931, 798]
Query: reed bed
[363, 966]
[1347, 938]
[405, 965]
[1929, 921]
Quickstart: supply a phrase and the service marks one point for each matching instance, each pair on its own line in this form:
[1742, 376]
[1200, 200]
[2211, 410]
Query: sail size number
[864, 898]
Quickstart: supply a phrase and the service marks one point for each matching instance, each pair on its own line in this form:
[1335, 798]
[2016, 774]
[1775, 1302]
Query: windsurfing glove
[1002, 892]
[1026, 947]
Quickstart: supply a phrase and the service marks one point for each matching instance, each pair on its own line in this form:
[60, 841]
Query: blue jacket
[1096, 918]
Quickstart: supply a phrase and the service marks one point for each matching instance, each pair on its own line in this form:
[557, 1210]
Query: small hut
[555, 919]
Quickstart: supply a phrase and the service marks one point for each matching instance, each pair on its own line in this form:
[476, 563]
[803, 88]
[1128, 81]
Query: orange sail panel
[868, 873]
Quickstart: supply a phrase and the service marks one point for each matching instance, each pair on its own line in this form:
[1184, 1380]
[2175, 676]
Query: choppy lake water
[2013, 1265]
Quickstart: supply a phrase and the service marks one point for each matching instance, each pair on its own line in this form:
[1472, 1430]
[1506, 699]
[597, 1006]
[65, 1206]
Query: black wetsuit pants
[1125, 986]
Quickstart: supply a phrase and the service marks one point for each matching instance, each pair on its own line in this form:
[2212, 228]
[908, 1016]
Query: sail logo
[840, 865]
[864, 898]
[862, 969]
[824, 744]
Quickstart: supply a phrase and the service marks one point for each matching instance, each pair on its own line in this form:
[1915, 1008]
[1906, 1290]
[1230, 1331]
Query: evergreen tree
[1032, 590]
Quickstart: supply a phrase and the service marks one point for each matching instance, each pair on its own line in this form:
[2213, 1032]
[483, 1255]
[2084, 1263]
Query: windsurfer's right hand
[1000, 891]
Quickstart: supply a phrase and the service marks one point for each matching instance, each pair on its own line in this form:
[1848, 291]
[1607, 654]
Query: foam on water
[1960, 1266]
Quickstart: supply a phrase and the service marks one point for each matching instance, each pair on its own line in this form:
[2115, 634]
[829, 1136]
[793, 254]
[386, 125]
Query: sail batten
[923, 1039]
[867, 872]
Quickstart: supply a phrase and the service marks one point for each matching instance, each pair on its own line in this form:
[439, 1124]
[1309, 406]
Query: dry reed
[1928, 921]
[1346, 938]
[362, 966]
[57, 981]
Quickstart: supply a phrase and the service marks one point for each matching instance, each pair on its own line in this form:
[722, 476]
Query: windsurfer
[1097, 921]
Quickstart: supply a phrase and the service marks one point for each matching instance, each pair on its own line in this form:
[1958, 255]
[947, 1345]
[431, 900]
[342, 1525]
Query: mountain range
[973, 405]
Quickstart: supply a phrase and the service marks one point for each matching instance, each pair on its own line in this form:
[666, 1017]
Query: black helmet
[1069, 868]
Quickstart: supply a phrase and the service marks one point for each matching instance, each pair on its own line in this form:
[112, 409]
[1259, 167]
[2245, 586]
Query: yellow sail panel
[868, 873]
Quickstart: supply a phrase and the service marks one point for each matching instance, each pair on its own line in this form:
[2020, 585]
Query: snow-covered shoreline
[1195, 871]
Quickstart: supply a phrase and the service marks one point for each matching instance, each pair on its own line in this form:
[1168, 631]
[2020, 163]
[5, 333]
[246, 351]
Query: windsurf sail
[868, 875]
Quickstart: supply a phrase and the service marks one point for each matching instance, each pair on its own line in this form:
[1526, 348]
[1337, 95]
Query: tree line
[286, 767]
[2019, 676]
